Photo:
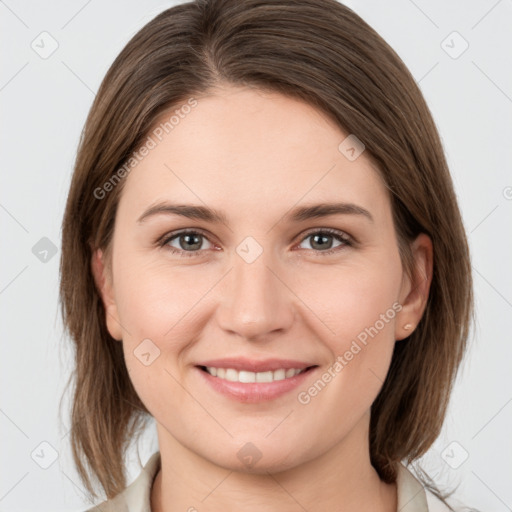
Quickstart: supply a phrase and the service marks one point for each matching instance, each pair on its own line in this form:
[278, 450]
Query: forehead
[244, 149]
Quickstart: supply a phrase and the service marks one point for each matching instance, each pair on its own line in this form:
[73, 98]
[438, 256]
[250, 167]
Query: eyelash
[340, 235]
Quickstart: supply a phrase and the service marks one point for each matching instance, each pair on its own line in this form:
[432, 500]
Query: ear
[414, 292]
[103, 279]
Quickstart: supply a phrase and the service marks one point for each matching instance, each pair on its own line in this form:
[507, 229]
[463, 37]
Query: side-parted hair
[318, 51]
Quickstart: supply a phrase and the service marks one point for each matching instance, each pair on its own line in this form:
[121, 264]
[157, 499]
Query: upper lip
[251, 365]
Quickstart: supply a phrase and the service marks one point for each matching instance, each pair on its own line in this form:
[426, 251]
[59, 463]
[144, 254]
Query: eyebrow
[212, 215]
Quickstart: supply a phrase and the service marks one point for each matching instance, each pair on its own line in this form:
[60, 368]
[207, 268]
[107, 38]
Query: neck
[340, 479]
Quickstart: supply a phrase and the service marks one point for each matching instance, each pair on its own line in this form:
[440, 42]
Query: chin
[251, 460]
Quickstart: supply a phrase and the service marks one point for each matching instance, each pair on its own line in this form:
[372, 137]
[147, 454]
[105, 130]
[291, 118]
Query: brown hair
[318, 51]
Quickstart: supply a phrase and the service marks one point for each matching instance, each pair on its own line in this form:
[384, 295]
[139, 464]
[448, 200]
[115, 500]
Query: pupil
[322, 237]
[188, 238]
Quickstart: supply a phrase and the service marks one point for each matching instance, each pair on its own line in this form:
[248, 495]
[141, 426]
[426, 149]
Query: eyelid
[166, 237]
[331, 231]
[346, 239]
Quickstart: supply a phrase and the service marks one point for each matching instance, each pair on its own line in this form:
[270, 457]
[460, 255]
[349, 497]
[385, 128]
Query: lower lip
[253, 392]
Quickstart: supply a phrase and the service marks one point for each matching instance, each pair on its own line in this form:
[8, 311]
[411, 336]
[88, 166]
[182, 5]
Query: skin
[254, 156]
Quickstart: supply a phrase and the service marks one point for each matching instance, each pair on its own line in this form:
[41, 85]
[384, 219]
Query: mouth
[254, 387]
[247, 377]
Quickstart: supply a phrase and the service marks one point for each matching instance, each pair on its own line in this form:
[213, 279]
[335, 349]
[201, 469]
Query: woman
[262, 250]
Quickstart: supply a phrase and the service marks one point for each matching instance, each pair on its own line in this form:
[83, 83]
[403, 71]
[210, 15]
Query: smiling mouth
[248, 377]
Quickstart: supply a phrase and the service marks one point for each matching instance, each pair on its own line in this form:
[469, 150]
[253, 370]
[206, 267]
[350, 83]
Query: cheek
[360, 307]
[156, 311]
[354, 299]
[156, 300]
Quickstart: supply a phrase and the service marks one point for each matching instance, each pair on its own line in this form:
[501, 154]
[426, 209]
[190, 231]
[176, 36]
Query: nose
[256, 303]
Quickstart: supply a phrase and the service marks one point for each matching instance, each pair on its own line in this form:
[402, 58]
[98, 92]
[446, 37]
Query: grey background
[44, 104]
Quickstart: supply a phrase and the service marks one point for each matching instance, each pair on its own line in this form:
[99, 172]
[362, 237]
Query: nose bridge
[255, 301]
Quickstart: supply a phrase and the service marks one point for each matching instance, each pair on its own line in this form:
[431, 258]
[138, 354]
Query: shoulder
[435, 504]
[413, 496]
[117, 504]
[137, 496]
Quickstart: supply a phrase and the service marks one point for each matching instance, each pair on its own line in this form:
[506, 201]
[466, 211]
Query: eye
[321, 240]
[189, 242]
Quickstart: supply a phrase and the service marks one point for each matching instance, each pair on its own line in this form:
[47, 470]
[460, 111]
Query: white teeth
[244, 376]
[247, 377]
[279, 374]
[231, 375]
[265, 376]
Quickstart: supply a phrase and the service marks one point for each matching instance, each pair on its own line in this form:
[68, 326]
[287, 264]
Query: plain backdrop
[460, 54]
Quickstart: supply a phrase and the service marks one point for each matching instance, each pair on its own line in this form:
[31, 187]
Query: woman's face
[266, 283]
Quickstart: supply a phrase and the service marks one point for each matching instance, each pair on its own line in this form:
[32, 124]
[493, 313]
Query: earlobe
[104, 285]
[416, 289]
